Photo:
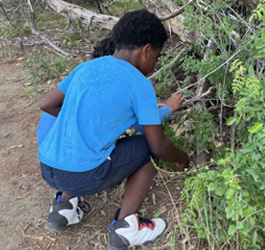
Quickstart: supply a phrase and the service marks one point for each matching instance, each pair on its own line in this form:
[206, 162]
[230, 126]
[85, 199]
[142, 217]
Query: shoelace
[84, 206]
[144, 221]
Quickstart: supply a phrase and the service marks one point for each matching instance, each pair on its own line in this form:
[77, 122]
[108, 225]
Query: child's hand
[161, 104]
[174, 102]
[181, 167]
[184, 165]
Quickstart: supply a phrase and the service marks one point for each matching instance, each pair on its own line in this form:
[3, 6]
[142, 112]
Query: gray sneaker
[134, 230]
[65, 214]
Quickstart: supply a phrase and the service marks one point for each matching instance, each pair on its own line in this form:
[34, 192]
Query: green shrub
[225, 201]
[44, 66]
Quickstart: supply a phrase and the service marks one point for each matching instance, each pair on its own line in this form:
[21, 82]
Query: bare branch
[213, 71]
[44, 38]
[168, 66]
[240, 18]
[5, 13]
[176, 13]
[207, 93]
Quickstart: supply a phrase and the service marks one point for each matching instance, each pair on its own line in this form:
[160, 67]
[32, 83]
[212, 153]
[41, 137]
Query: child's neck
[131, 56]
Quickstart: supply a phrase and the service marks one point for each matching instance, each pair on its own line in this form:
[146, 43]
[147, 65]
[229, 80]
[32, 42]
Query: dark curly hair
[104, 47]
[138, 28]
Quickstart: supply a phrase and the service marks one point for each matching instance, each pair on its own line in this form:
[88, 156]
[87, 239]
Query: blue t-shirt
[164, 113]
[45, 125]
[47, 121]
[105, 97]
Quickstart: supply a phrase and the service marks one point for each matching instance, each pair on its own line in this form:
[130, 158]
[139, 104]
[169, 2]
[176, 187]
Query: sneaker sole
[115, 248]
[147, 243]
[52, 227]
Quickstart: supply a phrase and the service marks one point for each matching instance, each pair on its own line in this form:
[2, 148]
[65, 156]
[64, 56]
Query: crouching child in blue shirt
[82, 155]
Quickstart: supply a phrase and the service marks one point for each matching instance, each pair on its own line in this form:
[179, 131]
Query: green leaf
[262, 186]
[251, 221]
[238, 119]
[219, 191]
[256, 128]
[232, 229]
[241, 103]
[247, 212]
[229, 194]
[212, 174]
[239, 225]
[230, 213]
[245, 193]
[231, 121]
[260, 46]
[212, 186]
[157, 214]
[263, 135]
[258, 56]
[251, 70]
[254, 173]
[254, 239]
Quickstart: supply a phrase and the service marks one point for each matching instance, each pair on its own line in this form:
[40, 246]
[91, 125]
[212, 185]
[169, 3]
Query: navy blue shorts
[130, 154]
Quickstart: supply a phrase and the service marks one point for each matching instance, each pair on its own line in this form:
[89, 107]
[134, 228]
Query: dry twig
[213, 71]
[37, 33]
[207, 93]
[5, 13]
[176, 13]
[172, 64]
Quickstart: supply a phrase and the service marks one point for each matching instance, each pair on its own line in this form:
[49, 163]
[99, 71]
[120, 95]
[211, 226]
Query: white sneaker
[134, 230]
[65, 214]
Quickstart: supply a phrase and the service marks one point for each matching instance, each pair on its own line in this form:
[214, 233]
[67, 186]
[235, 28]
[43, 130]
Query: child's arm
[164, 113]
[163, 148]
[165, 109]
[52, 102]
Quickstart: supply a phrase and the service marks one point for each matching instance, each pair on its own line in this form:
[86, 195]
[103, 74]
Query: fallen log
[166, 11]
[78, 13]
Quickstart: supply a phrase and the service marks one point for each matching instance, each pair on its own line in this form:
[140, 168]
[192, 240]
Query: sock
[58, 198]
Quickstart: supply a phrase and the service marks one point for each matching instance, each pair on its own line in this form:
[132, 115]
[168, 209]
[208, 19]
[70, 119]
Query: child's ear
[147, 49]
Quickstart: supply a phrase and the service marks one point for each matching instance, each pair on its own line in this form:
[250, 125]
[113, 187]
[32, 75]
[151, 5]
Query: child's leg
[128, 226]
[66, 210]
[130, 159]
[65, 197]
[136, 189]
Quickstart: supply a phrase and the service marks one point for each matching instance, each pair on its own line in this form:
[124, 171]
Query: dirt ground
[25, 198]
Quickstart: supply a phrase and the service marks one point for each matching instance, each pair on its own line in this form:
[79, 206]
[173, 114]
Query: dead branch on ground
[37, 33]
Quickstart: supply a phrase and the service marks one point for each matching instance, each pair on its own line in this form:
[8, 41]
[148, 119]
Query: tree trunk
[75, 12]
